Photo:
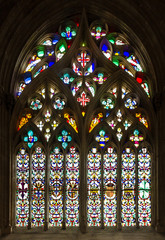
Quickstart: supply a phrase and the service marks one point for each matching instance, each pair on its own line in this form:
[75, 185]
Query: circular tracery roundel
[89, 106]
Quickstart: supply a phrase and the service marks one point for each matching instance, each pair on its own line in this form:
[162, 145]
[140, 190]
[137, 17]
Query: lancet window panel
[32, 189]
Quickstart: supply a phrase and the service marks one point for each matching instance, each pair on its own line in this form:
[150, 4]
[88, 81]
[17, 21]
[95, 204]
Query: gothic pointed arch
[83, 130]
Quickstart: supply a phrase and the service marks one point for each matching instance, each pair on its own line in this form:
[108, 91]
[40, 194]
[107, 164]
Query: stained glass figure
[109, 183]
[72, 189]
[83, 100]
[35, 104]
[144, 187]
[128, 214]
[136, 138]
[108, 103]
[22, 188]
[94, 188]
[142, 119]
[30, 139]
[59, 103]
[24, 120]
[102, 138]
[56, 187]
[83, 58]
[100, 78]
[65, 138]
[38, 187]
[95, 121]
[71, 121]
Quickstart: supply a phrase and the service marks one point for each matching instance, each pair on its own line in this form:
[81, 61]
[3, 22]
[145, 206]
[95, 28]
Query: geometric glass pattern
[64, 138]
[94, 188]
[102, 138]
[56, 188]
[144, 187]
[128, 215]
[38, 187]
[72, 188]
[48, 178]
[30, 139]
[109, 182]
[22, 188]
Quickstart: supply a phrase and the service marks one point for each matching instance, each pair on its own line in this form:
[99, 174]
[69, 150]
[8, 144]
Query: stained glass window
[83, 131]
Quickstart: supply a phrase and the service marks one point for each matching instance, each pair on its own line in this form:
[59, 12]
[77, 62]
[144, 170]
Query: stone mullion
[30, 191]
[102, 192]
[119, 190]
[64, 194]
[47, 176]
[136, 189]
